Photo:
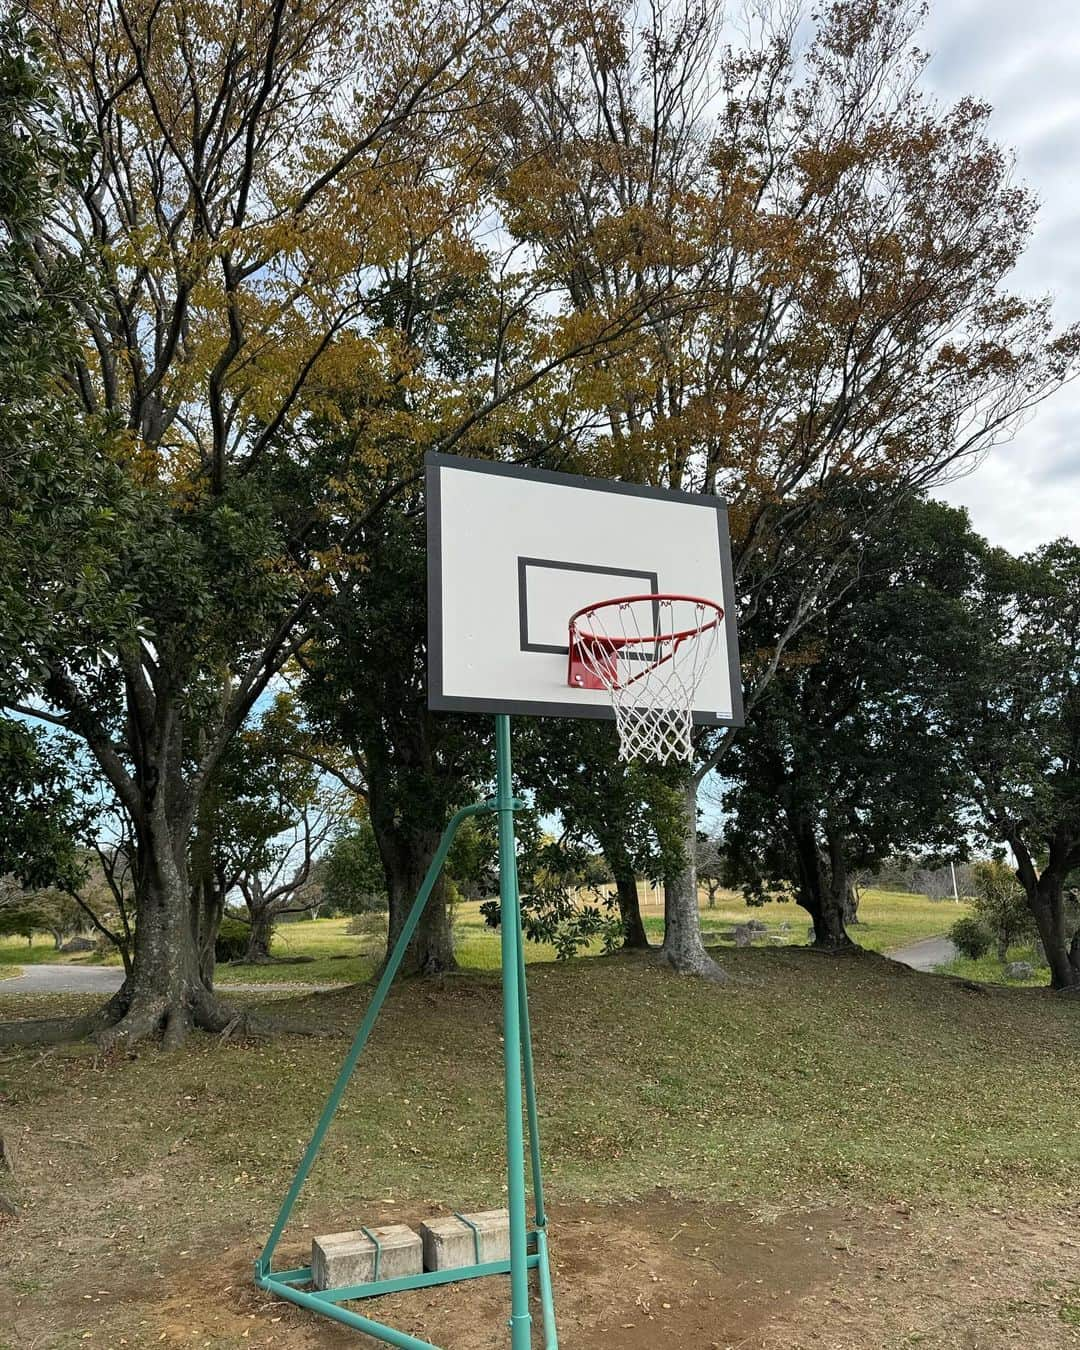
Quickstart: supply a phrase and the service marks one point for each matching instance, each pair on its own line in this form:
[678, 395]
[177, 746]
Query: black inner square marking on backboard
[651, 587]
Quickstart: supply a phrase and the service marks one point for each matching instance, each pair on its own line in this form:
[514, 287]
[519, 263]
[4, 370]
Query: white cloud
[1023, 60]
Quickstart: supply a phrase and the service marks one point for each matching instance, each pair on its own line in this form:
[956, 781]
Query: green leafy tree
[473, 860]
[46, 817]
[564, 896]
[1014, 714]
[846, 761]
[352, 873]
[630, 811]
[365, 690]
[62, 874]
[47, 911]
[268, 815]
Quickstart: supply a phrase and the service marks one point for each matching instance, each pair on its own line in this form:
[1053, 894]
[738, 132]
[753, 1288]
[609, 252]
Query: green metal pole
[547, 1299]
[530, 1090]
[262, 1265]
[510, 931]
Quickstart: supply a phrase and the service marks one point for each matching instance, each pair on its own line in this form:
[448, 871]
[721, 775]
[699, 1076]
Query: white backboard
[513, 552]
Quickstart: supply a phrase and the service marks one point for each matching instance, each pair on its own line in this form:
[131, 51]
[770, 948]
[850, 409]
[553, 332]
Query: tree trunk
[683, 949]
[822, 888]
[260, 935]
[1046, 899]
[406, 858]
[168, 990]
[157, 994]
[207, 886]
[635, 938]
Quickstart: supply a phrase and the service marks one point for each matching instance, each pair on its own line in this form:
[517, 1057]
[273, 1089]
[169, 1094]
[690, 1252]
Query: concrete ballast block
[340, 1259]
[450, 1243]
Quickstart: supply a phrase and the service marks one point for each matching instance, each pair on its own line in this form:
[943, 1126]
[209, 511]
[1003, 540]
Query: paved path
[927, 954]
[61, 979]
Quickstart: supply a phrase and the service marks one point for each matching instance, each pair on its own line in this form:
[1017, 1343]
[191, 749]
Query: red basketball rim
[614, 643]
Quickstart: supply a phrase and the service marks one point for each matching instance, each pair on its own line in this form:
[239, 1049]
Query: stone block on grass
[340, 1259]
[450, 1243]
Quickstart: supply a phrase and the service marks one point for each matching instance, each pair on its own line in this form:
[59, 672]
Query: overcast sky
[1023, 57]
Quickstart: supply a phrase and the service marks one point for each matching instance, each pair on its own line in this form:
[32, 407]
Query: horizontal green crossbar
[424, 1281]
[326, 1300]
[301, 1275]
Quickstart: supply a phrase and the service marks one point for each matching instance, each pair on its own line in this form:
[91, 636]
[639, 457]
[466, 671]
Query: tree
[352, 874]
[107, 895]
[473, 861]
[1014, 711]
[251, 174]
[933, 882]
[26, 912]
[365, 690]
[270, 811]
[711, 866]
[46, 817]
[564, 901]
[847, 760]
[629, 810]
[47, 911]
[1000, 905]
[822, 254]
[19, 917]
[286, 883]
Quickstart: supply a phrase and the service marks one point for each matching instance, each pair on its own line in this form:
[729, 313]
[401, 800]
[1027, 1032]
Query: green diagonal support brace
[262, 1266]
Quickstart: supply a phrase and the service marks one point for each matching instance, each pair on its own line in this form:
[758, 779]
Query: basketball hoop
[650, 653]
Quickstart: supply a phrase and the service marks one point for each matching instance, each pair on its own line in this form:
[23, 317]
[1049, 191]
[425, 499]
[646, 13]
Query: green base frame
[528, 1245]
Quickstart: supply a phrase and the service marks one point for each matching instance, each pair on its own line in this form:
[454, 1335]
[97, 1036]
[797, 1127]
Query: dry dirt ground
[654, 1273]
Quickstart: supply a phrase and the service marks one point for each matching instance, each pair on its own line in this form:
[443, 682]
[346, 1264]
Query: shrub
[971, 938]
[1001, 906]
[370, 924]
[232, 940]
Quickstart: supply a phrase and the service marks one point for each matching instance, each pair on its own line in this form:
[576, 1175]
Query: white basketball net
[650, 653]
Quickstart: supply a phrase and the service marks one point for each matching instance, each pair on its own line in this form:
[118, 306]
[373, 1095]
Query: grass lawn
[16, 952]
[877, 1101]
[887, 919]
[989, 970]
[324, 951]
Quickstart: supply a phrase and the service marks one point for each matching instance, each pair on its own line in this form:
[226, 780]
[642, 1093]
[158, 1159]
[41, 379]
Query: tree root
[843, 947]
[140, 1021]
[63, 1030]
[126, 1021]
[699, 964]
